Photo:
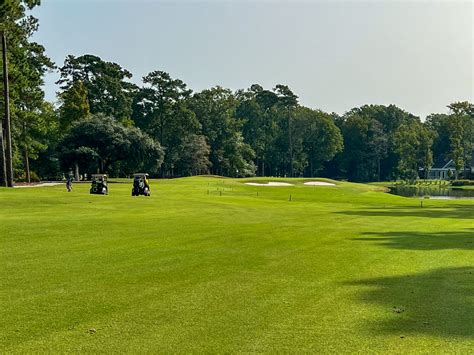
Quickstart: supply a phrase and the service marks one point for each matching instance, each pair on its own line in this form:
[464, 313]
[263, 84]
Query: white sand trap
[319, 183]
[271, 183]
[39, 185]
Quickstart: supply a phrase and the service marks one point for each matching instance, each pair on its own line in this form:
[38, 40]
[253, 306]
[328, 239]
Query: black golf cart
[141, 185]
[99, 184]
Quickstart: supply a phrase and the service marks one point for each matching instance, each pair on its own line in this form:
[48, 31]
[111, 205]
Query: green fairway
[214, 265]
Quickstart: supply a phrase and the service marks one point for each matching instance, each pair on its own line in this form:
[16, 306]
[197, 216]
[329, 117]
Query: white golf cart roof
[140, 174]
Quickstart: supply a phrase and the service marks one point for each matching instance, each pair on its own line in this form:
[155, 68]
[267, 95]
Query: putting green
[214, 265]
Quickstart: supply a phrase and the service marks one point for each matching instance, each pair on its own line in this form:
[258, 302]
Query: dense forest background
[105, 123]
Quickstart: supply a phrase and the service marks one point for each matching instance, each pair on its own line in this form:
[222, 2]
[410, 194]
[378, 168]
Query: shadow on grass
[463, 240]
[450, 211]
[438, 302]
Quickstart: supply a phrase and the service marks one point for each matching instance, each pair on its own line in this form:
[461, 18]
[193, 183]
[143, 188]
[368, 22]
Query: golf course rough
[215, 265]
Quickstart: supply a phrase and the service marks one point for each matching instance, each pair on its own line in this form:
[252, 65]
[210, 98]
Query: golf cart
[99, 184]
[140, 185]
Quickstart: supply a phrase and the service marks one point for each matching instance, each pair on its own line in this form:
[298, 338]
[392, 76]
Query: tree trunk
[27, 157]
[3, 167]
[290, 143]
[76, 171]
[378, 170]
[27, 165]
[6, 126]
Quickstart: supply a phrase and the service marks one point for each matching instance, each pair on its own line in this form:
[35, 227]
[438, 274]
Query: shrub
[33, 177]
[463, 183]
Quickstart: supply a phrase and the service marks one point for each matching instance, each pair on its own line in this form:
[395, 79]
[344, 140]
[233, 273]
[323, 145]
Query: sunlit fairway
[214, 265]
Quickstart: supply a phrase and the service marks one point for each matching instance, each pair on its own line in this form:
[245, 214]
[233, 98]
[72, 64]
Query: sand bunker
[270, 183]
[39, 185]
[318, 183]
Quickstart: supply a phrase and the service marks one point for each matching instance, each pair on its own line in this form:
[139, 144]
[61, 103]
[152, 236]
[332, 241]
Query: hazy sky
[335, 55]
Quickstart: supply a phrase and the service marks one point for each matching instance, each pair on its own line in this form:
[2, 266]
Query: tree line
[103, 122]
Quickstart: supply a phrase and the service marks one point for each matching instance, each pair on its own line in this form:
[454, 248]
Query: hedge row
[463, 183]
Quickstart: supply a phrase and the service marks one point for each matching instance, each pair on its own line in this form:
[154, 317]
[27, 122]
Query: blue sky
[335, 55]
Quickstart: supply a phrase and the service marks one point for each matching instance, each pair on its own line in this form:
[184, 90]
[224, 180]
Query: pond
[434, 192]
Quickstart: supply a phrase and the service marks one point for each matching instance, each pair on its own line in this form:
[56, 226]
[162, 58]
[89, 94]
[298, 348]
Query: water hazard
[433, 192]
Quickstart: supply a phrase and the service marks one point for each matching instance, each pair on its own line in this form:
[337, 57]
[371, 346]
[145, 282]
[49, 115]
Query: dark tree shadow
[438, 302]
[463, 240]
[462, 211]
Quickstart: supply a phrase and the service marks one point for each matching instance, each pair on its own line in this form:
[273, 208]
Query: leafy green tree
[194, 156]
[439, 124]
[376, 158]
[39, 127]
[269, 126]
[461, 134]
[257, 111]
[321, 139]
[413, 141]
[287, 101]
[74, 105]
[216, 111]
[364, 147]
[237, 158]
[103, 142]
[106, 83]
[456, 134]
[28, 64]
[425, 149]
[160, 108]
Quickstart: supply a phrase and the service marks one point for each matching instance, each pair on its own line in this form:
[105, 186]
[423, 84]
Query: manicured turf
[336, 269]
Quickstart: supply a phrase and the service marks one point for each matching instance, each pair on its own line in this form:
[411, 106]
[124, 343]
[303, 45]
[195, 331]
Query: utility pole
[6, 120]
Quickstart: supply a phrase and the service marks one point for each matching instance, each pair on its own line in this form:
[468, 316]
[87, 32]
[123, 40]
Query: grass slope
[337, 269]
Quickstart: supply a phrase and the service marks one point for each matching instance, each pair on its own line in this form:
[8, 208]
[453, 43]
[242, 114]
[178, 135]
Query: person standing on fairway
[69, 183]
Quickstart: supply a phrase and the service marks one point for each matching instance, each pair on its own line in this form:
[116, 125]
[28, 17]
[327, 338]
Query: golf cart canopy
[140, 185]
[99, 176]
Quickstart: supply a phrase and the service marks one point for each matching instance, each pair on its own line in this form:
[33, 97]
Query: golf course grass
[209, 264]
